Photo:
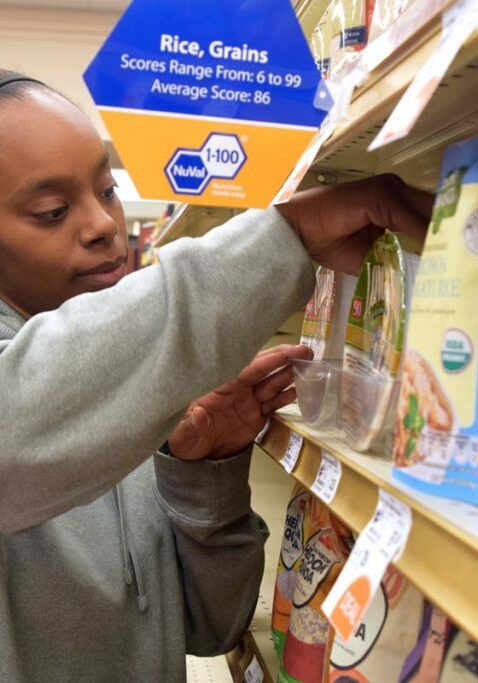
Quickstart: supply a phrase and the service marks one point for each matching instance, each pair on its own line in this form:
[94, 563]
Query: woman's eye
[51, 216]
[110, 192]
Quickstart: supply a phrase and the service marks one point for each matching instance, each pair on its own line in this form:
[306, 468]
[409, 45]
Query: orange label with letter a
[348, 612]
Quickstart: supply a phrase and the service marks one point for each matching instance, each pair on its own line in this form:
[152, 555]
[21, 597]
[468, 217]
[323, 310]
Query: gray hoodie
[103, 582]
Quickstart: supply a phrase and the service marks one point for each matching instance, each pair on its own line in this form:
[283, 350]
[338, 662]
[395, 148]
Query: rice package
[425, 661]
[436, 430]
[374, 340]
[318, 313]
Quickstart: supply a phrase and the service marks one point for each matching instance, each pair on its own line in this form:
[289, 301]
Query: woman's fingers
[279, 401]
[270, 360]
[391, 204]
[421, 201]
[268, 388]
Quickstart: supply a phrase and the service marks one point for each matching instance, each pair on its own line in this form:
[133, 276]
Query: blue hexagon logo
[187, 173]
[190, 170]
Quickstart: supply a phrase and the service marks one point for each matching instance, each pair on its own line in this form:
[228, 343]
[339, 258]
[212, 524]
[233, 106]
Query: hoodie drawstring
[131, 566]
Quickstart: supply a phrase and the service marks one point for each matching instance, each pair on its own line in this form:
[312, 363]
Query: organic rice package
[374, 340]
[436, 430]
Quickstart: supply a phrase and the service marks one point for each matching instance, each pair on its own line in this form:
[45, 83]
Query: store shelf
[441, 556]
[193, 221]
[452, 114]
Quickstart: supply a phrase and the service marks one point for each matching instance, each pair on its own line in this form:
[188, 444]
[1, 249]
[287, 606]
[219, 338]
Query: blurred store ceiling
[91, 5]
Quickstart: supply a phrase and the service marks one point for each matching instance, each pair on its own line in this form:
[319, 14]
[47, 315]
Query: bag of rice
[374, 340]
[436, 430]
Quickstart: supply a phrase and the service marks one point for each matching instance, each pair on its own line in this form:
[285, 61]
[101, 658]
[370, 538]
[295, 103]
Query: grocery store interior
[326, 469]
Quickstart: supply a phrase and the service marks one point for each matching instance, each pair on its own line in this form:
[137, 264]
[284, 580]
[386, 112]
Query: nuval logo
[188, 171]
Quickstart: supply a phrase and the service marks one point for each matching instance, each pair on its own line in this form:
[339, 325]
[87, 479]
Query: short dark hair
[19, 89]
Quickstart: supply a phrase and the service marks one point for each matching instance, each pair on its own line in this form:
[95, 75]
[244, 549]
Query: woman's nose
[99, 226]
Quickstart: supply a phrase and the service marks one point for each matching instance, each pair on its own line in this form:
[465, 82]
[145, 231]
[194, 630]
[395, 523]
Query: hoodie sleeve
[219, 543]
[90, 390]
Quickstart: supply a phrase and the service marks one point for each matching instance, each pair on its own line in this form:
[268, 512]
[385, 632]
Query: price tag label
[289, 460]
[382, 541]
[262, 434]
[254, 673]
[328, 478]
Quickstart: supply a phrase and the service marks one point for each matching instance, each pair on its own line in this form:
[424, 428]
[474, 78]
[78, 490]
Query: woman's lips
[109, 277]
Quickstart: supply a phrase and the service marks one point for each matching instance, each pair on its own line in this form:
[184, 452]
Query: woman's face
[62, 227]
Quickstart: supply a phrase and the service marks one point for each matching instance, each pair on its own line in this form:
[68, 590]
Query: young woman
[115, 562]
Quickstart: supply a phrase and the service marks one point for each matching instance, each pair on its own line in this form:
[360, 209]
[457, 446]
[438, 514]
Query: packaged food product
[401, 638]
[424, 663]
[311, 652]
[318, 313]
[384, 638]
[293, 540]
[341, 32]
[384, 14]
[309, 638]
[461, 660]
[351, 20]
[326, 314]
[321, 41]
[374, 340]
[436, 430]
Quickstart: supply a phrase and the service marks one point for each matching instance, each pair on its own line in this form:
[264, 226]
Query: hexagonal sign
[209, 103]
